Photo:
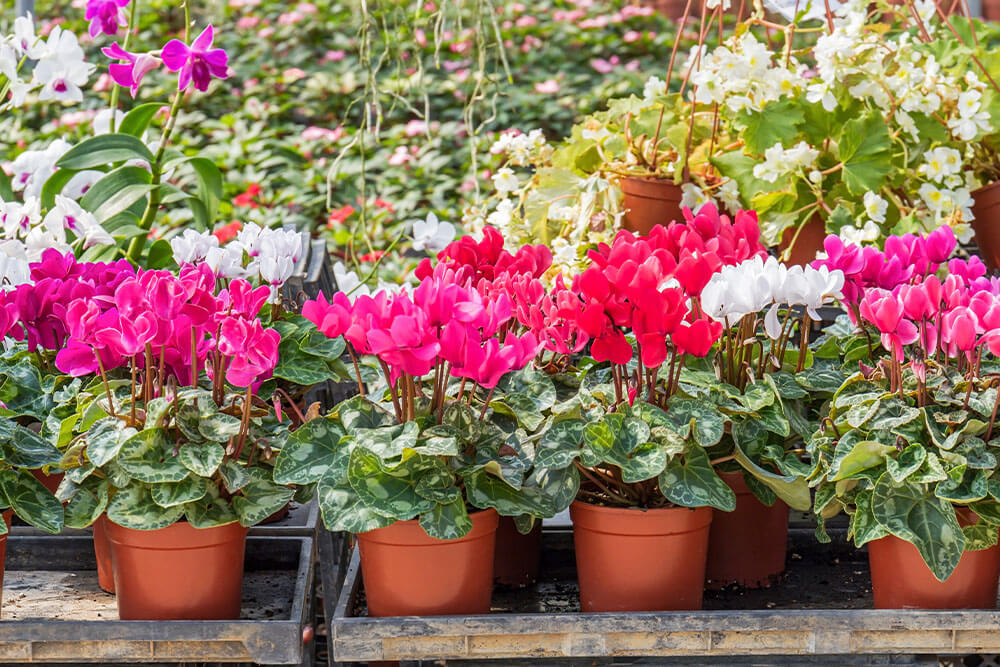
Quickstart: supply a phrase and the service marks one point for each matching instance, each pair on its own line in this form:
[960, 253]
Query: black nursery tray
[820, 607]
[54, 611]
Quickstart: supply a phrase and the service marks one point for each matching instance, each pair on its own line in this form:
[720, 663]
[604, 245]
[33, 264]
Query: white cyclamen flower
[192, 246]
[432, 234]
[348, 281]
[226, 262]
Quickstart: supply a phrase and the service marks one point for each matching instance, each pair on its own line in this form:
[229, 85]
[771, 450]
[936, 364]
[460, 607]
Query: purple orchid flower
[198, 62]
[106, 16]
[129, 73]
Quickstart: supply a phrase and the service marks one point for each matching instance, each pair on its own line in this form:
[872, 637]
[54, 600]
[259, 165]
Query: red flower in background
[227, 233]
[248, 198]
[340, 215]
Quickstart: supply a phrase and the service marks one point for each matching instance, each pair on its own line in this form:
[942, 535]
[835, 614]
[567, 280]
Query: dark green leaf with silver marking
[309, 452]
[31, 501]
[202, 458]
[133, 507]
[447, 521]
[148, 456]
[187, 490]
[691, 482]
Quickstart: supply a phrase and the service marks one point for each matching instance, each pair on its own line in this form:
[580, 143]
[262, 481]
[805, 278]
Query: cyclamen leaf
[691, 482]
[447, 521]
[910, 513]
[309, 452]
[202, 458]
[148, 456]
[31, 501]
[133, 507]
[187, 490]
[342, 509]
[560, 445]
[390, 494]
[260, 499]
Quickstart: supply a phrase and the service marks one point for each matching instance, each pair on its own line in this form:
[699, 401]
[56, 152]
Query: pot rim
[409, 533]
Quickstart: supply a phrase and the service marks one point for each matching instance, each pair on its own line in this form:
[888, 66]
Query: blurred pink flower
[306, 8]
[247, 22]
[526, 21]
[629, 11]
[335, 55]
[400, 156]
[596, 22]
[632, 36]
[313, 133]
[415, 127]
[603, 66]
[293, 74]
[632, 66]
[290, 18]
[265, 33]
[565, 16]
[547, 86]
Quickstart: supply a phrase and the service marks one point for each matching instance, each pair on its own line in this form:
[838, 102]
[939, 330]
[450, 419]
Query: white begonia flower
[502, 217]
[505, 181]
[940, 163]
[875, 206]
[932, 196]
[191, 247]
[692, 196]
[773, 167]
[432, 234]
[593, 130]
[559, 213]
[859, 236]
[654, 87]
[226, 262]
[729, 195]
[18, 218]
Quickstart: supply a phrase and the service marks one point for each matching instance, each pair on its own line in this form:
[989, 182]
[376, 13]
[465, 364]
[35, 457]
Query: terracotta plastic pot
[747, 546]
[102, 553]
[649, 202]
[178, 572]
[986, 224]
[640, 560]
[408, 573]
[7, 516]
[804, 246]
[902, 580]
[518, 556]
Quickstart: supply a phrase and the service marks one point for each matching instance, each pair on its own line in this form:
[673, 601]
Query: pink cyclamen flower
[198, 62]
[106, 16]
[129, 73]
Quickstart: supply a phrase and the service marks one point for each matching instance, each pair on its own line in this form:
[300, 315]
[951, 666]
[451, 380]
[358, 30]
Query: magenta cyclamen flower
[129, 73]
[106, 16]
[198, 62]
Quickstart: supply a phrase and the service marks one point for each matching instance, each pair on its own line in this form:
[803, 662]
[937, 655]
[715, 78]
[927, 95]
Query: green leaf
[701, 419]
[137, 121]
[105, 439]
[691, 482]
[560, 445]
[962, 486]
[447, 521]
[87, 504]
[558, 485]
[234, 476]
[360, 413]
[980, 536]
[317, 344]
[31, 501]
[202, 458]
[533, 383]
[864, 455]
[218, 426]
[522, 408]
[113, 183]
[484, 491]
[6, 191]
[773, 419]
[121, 201]
[342, 509]
[309, 452]
[389, 442]
[103, 150]
[864, 526]
[391, 493]
[864, 148]
[260, 499]
[786, 386]
[148, 456]
[187, 490]
[27, 449]
[160, 255]
[210, 510]
[133, 507]
[54, 185]
[909, 512]
[757, 396]
[906, 462]
[794, 491]
[892, 413]
[775, 122]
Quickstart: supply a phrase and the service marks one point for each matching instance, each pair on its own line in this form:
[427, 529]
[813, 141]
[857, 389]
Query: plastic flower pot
[640, 560]
[986, 224]
[649, 202]
[518, 556]
[902, 580]
[804, 241]
[7, 516]
[747, 546]
[408, 573]
[178, 572]
[102, 553]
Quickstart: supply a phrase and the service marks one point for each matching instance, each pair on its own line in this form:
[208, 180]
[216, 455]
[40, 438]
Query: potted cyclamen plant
[756, 385]
[419, 464]
[906, 447]
[180, 455]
